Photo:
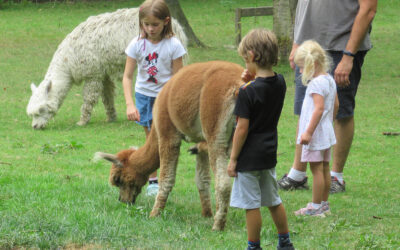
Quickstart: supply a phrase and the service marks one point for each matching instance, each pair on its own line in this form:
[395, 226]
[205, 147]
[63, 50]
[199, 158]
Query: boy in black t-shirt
[255, 142]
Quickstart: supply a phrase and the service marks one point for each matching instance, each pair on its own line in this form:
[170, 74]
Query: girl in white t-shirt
[158, 55]
[316, 132]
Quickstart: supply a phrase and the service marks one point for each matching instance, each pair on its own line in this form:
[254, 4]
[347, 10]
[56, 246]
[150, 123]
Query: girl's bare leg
[318, 190]
[327, 178]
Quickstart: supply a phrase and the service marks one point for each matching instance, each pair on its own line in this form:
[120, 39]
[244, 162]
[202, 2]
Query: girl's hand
[232, 168]
[132, 113]
[247, 76]
[305, 138]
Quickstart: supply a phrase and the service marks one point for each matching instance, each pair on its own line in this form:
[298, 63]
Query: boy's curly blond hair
[263, 44]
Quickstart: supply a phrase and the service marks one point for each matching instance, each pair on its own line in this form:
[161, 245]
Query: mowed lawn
[52, 195]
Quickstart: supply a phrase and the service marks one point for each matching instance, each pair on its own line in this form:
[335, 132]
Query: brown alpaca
[196, 105]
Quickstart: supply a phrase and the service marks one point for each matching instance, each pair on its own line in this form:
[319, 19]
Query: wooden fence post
[248, 12]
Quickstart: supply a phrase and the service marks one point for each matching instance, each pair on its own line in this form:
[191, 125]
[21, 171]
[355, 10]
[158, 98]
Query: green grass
[52, 195]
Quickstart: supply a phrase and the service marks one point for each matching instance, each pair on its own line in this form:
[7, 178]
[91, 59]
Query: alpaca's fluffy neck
[60, 85]
[147, 157]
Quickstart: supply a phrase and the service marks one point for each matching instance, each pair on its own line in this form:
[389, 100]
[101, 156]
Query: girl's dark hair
[159, 9]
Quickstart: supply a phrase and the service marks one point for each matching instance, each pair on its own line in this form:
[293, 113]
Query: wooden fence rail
[247, 12]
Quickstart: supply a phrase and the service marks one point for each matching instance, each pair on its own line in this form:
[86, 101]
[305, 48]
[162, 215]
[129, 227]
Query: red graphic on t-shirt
[152, 68]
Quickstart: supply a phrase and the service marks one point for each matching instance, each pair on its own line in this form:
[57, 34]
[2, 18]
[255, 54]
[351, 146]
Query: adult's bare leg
[344, 131]
[296, 179]
[297, 164]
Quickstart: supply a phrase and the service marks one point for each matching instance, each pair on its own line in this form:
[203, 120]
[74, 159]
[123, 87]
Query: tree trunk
[284, 16]
[177, 13]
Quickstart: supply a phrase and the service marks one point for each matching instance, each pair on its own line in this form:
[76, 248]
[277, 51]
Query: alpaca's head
[124, 174]
[38, 107]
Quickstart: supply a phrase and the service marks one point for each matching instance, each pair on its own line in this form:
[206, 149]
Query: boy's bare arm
[239, 138]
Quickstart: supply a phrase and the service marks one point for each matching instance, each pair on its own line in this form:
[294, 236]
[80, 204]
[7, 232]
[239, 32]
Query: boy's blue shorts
[145, 104]
[255, 189]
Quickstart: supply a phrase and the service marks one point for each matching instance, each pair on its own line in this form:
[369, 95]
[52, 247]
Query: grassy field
[52, 195]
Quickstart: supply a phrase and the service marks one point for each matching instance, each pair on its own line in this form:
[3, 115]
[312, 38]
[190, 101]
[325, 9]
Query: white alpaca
[94, 53]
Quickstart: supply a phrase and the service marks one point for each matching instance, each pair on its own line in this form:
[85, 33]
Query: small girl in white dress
[316, 132]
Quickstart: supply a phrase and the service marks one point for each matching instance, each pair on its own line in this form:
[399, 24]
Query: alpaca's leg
[218, 137]
[108, 99]
[203, 180]
[169, 146]
[91, 92]
[219, 163]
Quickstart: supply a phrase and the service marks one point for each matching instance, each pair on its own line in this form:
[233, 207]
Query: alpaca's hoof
[207, 213]
[218, 226]
[154, 213]
[81, 123]
[111, 118]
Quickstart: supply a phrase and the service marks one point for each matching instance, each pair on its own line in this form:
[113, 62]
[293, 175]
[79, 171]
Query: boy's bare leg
[253, 224]
[278, 215]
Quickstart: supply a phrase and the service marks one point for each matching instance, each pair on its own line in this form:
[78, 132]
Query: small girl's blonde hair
[310, 55]
[158, 9]
[263, 44]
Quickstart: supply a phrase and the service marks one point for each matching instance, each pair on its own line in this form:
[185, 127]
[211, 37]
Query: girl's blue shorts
[145, 104]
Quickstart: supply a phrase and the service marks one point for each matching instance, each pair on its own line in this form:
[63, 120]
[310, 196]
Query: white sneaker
[152, 189]
[310, 211]
[325, 207]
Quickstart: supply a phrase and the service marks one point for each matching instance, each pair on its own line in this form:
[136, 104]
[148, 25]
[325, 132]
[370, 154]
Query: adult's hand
[361, 25]
[291, 56]
[343, 70]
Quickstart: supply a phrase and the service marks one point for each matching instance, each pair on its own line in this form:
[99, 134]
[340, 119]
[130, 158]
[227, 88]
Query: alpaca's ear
[48, 86]
[109, 157]
[33, 87]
